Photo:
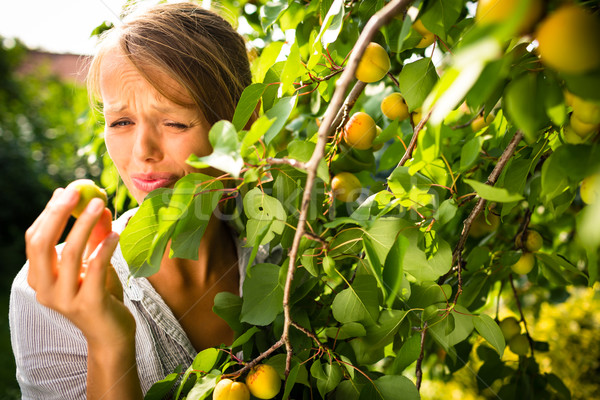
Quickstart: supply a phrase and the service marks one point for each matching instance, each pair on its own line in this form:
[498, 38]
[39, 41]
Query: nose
[147, 146]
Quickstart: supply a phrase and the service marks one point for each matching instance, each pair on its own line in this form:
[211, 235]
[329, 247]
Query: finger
[71, 256]
[44, 236]
[102, 228]
[95, 280]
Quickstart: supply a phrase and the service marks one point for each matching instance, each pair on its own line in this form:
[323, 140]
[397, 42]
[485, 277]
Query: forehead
[118, 75]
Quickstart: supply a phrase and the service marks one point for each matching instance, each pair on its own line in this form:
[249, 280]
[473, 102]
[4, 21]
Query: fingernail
[95, 205]
[67, 196]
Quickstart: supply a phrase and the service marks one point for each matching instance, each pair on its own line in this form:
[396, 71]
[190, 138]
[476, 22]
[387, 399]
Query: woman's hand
[80, 283]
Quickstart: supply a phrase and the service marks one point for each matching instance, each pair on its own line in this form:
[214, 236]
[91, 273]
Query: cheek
[116, 150]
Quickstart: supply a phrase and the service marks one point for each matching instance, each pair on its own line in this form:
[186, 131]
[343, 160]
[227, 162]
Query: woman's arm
[81, 284]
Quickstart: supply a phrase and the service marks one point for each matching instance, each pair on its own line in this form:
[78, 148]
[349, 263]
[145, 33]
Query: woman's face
[148, 137]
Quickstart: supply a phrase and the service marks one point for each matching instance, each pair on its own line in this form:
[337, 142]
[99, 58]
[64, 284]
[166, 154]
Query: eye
[177, 125]
[120, 123]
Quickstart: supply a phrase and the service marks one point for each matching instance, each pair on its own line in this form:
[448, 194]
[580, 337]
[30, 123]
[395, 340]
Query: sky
[61, 26]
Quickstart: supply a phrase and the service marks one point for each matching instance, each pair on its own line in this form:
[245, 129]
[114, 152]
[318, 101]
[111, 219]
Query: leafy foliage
[417, 265]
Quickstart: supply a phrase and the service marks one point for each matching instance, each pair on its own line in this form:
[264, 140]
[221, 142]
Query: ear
[254, 115]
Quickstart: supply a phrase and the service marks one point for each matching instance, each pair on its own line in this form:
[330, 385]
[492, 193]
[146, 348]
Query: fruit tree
[449, 220]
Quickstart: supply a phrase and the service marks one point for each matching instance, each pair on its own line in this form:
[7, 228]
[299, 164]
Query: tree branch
[413, 142]
[378, 20]
[479, 206]
[518, 301]
[419, 371]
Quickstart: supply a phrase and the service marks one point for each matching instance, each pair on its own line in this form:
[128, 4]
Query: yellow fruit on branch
[394, 107]
[480, 122]
[581, 128]
[586, 111]
[481, 226]
[428, 37]
[519, 345]
[590, 189]
[227, 389]
[87, 191]
[374, 64]
[510, 327]
[568, 40]
[360, 131]
[345, 187]
[533, 241]
[497, 11]
[263, 381]
[524, 265]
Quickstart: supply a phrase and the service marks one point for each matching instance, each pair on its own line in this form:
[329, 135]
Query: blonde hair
[195, 47]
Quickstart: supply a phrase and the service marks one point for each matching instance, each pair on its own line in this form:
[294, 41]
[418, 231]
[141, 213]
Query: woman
[163, 78]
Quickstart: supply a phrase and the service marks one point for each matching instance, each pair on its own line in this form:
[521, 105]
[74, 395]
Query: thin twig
[413, 142]
[286, 161]
[518, 301]
[419, 371]
[379, 19]
[494, 175]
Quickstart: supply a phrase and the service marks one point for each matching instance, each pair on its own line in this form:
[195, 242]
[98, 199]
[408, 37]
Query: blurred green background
[49, 137]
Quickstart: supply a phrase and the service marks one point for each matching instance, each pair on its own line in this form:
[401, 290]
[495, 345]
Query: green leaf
[226, 155]
[280, 113]
[421, 71]
[228, 306]
[270, 12]
[263, 212]
[205, 360]
[462, 322]
[408, 354]
[490, 331]
[441, 15]
[247, 104]
[390, 387]
[328, 376]
[243, 338]
[161, 388]
[346, 331]
[493, 193]
[470, 152]
[331, 26]
[203, 387]
[393, 271]
[292, 69]
[524, 106]
[263, 295]
[358, 303]
[191, 226]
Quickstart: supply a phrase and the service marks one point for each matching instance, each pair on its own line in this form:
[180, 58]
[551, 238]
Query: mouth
[149, 182]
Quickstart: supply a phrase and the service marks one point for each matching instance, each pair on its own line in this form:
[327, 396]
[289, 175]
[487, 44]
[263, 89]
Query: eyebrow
[161, 109]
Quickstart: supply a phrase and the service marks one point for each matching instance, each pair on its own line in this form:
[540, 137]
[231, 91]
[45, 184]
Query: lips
[152, 181]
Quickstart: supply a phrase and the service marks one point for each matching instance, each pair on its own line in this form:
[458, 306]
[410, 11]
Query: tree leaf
[263, 295]
[416, 80]
[226, 154]
[492, 193]
[358, 303]
[264, 213]
[490, 331]
[247, 104]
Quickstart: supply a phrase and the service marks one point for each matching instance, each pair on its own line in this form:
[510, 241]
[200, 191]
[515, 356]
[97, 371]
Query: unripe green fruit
[524, 265]
[533, 241]
[263, 381]
[590, 189]
[519, 345]
[227, 389]
[510, 327]
[571, 137]
[374, 64]
[87, 191]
